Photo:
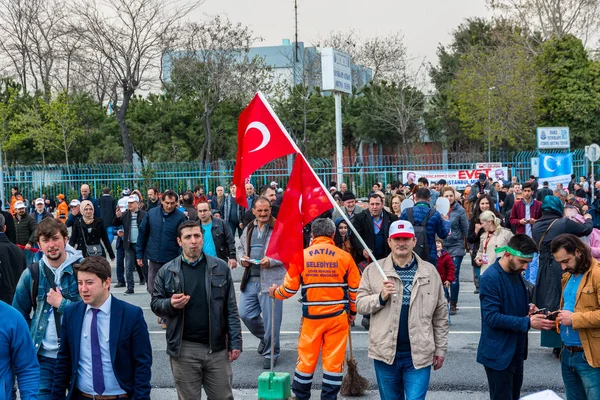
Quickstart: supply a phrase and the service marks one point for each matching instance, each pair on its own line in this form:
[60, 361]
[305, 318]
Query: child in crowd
[445, 266]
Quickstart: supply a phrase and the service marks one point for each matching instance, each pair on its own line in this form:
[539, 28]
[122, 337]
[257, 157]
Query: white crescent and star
[266, 135]
[546, 164]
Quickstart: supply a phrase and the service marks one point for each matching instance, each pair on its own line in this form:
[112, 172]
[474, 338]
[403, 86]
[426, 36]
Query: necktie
[97, 375]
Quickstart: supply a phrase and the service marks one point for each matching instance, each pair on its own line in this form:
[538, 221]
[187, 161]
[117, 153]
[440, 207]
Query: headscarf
[553, 204]
[83, 204]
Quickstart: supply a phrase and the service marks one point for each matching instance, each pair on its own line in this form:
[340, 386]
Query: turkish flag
[261, 139]
[303, 201]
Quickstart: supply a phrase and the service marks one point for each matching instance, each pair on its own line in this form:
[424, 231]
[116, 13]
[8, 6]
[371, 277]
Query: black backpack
[422, 247]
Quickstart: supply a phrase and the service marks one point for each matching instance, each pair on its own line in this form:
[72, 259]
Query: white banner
[459, 179]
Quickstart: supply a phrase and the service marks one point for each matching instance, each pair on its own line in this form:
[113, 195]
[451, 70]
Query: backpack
[422, 247]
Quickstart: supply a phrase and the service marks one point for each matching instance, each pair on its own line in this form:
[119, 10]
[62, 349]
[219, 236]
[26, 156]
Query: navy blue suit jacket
[501, 320]
[130, 351]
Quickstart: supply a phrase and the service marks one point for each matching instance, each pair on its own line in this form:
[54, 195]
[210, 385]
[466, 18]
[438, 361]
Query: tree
[215, 64]
[129, 36]
[570, 83]
[552, 18]
[495, 93]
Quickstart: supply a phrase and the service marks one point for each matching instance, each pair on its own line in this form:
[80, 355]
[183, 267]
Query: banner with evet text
[459, 179]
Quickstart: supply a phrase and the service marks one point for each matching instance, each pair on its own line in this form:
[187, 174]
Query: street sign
[553, 138]
[336, 71]
[592, 152]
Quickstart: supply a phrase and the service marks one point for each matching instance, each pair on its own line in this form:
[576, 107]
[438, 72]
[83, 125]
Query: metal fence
[359, 172]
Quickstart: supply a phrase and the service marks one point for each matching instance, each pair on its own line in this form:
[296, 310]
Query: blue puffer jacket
[459, 229]
[158, 235]
[435, 226]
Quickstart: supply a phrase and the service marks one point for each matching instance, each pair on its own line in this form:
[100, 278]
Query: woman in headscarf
[548, 282]
[88, 232]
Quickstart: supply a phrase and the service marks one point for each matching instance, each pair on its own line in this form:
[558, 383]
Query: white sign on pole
[535, 166]
[488, 165]
[592, 152]
[336, 71]
[553, 138]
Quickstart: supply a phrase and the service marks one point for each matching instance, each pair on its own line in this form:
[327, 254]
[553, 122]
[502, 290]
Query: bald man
[86, 195]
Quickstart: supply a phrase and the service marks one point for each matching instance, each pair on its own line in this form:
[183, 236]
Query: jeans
[506, 384]
[120, 261]
[235, 227]
[153, 267]
[47, 366]
[110, 232]
[130, 266]
[253, 302]
[455, 286]
[582, 382]
[401, 380]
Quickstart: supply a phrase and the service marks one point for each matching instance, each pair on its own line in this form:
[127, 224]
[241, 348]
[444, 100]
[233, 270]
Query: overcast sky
[424, 23]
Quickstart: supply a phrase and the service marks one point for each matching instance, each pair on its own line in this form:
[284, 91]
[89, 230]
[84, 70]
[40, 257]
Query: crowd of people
[533, 253]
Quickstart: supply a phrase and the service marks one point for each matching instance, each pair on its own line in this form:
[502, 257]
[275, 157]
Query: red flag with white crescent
[303, 201]
[261, 139]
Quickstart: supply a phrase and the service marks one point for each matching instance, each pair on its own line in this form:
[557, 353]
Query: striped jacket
[328, 281]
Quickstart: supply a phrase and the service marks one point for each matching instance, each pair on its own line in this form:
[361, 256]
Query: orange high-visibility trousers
[329, 335]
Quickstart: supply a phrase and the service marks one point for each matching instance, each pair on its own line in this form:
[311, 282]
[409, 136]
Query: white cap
[39, 201]
[19, 204]
[273, 183]
[74, 203]
[401, 229]
[133, 198]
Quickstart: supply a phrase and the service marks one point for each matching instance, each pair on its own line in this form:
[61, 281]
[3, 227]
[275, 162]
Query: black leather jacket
[225, 330]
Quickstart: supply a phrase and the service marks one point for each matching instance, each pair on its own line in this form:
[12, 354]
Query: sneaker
[267, 363]
[366, 323]
[129, 291]
[453, 308]
[119, 285]
[261, 348]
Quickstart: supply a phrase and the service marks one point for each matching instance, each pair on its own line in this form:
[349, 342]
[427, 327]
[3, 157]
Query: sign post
[592, 152]
[337, 78]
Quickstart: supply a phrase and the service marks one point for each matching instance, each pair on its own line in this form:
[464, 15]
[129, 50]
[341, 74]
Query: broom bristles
[353, 383]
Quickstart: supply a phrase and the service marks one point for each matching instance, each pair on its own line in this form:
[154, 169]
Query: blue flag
[556, 168]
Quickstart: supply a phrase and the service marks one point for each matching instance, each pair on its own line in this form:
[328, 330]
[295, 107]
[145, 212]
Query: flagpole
[329, 196]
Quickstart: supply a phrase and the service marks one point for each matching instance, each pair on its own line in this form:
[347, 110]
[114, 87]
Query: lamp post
[490, 124]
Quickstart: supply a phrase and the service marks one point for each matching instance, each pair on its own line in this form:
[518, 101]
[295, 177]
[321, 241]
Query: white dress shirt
[85, 382]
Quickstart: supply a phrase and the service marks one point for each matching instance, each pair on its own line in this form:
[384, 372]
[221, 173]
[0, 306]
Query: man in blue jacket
[105, 347]
[17, 356]
[506, 317]
[158, 236]
[436, 224]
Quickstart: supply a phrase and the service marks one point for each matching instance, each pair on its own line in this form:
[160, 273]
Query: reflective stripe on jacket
[329, 281]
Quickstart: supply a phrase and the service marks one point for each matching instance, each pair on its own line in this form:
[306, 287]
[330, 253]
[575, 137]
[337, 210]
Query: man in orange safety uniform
[330, 280]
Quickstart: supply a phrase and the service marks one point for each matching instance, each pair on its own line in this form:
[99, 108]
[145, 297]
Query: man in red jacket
[526, 212]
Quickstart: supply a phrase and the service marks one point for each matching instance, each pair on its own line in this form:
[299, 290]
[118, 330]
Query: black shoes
[142, 282]
[366, 323]
[129, 291]
[118, 285]
[267, 363]
[261, 348]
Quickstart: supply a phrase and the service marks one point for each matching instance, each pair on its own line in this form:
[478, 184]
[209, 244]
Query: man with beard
[53, 278]
[579, 317]
[506, 317]
[153, 199]
[349, 201]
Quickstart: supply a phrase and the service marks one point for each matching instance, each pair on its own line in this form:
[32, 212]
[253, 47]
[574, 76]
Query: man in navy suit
[506, 317]
[105, 346]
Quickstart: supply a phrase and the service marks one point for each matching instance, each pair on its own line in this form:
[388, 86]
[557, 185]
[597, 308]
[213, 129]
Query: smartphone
[540, 311]
[552, 316]
[253, 261]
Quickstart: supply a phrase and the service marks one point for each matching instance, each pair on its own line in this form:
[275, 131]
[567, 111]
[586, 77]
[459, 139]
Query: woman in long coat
[548, 283]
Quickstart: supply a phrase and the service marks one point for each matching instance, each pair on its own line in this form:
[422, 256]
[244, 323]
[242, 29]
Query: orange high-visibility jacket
[62, 211]
[329, 280]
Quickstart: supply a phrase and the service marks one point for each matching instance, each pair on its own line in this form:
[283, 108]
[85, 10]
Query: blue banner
[556, 168]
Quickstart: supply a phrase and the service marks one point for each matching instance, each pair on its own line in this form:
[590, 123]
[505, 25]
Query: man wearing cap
[25, 227]
[75, 212]
[62, 209]
[408, 334]
[40, 211]
[349, 200]
[482, 187]
[131, 221]
[506, 317]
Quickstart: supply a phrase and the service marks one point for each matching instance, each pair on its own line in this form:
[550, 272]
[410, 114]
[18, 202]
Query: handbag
[92, 249]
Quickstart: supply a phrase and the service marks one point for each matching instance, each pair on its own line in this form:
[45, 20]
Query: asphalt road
[460, 372]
